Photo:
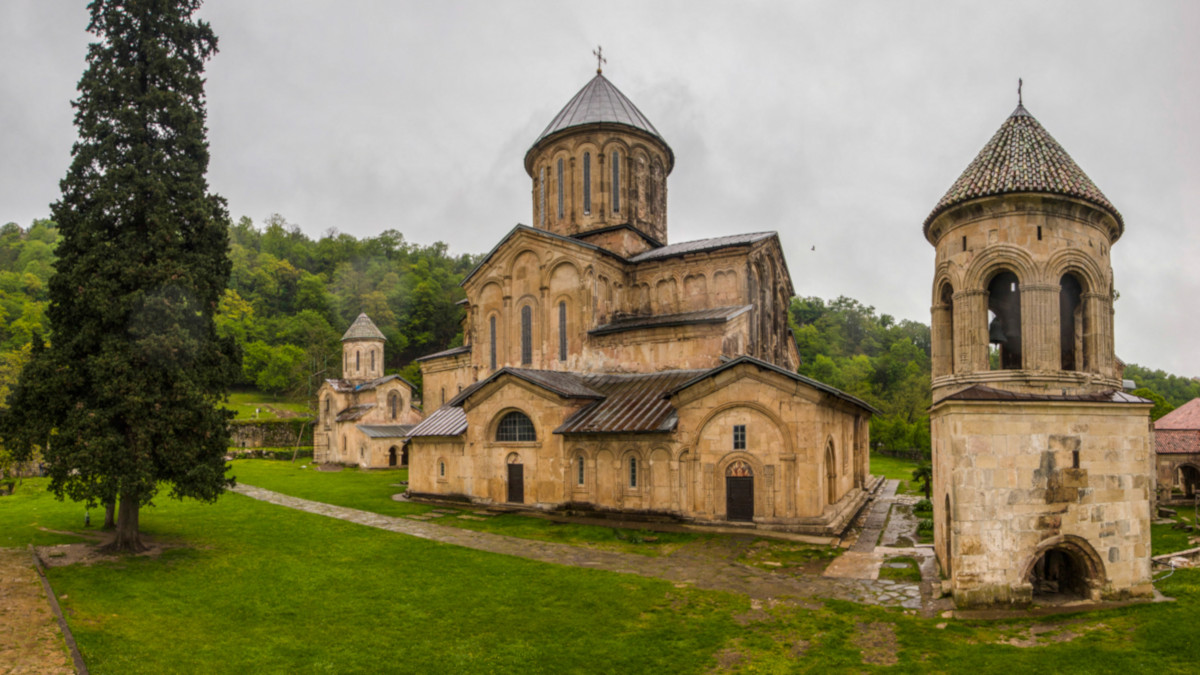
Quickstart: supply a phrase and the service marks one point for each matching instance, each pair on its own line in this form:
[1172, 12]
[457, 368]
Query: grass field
[901, 469]
[251, 587]
[372, 491]
[248, 405]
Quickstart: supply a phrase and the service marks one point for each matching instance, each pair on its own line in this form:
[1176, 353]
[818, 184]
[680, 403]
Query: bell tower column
[1040, 326]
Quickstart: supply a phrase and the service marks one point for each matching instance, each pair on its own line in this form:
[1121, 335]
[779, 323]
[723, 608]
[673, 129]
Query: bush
[925, 525]
[923, 505]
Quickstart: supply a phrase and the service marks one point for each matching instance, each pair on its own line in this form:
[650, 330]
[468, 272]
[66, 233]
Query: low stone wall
[270, 433]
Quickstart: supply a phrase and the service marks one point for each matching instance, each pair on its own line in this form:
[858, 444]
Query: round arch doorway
[739, 492]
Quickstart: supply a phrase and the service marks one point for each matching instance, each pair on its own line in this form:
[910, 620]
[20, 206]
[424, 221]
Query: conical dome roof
[363, 329]
[1023, 157]
[599, 102]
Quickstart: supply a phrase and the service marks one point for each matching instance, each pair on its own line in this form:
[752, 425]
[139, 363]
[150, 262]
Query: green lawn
[250, 405]
[1166, 539]
[251, 587]
[901, 469]
[372, 491]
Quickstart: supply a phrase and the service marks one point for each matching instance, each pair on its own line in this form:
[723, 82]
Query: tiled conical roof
[363, 329]
[1023, 157]
[599, 101]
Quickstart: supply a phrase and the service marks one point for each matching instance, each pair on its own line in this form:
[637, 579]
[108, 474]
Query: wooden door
[516, 483]
[739, 498]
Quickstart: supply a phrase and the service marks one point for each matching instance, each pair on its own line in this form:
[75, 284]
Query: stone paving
[30, 640]
[711, 564]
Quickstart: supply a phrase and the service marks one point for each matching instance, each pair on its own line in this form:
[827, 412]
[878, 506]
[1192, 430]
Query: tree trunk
[127, 538]
[109, 509]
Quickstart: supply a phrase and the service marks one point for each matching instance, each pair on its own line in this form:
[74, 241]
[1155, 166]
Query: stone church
[1043, 468]
[364, 416]
[606, 368]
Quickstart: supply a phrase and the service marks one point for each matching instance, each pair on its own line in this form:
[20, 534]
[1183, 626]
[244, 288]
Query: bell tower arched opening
[1072, 322]
[1004, 321]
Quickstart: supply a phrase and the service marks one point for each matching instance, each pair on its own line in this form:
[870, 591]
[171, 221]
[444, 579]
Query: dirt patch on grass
[877, 643]
[88, 553]
[1040, 635]
[728, 659]
[29, 635]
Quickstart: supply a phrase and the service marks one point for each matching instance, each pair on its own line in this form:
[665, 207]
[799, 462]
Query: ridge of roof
[702, 316]
[745, 358]
[526, 228]
[702, 245]
[1186, 416]
[453, 351]
[613, 228]
[363, 329]
[1023, 157]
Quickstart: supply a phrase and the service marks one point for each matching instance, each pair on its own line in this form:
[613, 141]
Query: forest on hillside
[291, 297]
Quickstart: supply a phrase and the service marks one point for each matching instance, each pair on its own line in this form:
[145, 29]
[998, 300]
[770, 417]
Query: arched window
[587, 182]
[393, 404]
[830, 473]
[579, 469]
[526, 335]
[542, 199]
[633, 475]
[328, 411]
[1072, 324]
[616, 182]
[1004, 324]
[562, 331]
[515, 426]
[561, 200]
[372, 360]
[442, 469]
[356, 360]
[492, 339]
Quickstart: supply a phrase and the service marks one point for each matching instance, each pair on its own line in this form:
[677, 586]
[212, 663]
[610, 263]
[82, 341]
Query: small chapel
[607, 368]
[364, 416]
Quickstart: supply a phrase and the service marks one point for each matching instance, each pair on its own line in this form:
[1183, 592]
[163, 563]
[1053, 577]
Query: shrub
[923, 505]
[925, 525]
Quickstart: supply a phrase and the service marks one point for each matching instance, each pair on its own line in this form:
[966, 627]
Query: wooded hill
[290, 298]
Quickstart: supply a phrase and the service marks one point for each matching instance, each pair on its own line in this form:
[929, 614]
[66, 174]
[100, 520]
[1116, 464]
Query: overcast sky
[837, 124]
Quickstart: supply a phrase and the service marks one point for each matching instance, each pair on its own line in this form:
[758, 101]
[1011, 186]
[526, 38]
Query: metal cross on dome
[598, 52]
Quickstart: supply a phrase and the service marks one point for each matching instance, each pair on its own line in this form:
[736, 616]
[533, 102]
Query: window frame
[520, 433]
[739, 437]
[562, 330]
[587, 183]
[616, 181]
[527, 335]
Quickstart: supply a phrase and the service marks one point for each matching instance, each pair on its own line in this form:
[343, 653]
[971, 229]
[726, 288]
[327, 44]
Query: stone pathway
[710, 564]
[877, 518]
[30, 641]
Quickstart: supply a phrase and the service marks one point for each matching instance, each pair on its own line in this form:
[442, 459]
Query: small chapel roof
[1186, 416]
[363, 329]
[1023, 157]
[599, 102]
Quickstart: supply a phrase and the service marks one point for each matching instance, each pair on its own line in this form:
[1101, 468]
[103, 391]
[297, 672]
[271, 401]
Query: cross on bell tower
[598, 52]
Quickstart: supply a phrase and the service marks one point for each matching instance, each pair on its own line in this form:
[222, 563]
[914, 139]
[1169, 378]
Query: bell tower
[599, 172]
[1042, 465]
[362, 350]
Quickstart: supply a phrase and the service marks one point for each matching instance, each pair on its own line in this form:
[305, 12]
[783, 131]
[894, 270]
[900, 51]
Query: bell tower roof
[1023, 157]
[599, 102]
[363, 329]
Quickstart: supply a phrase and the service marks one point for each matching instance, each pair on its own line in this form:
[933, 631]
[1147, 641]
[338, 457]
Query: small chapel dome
[1022, 157]
[363, 329]
[599, 102]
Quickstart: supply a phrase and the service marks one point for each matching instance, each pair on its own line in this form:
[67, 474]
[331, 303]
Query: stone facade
[1177, 452]
[1043, 469]
[364, 417]
[605, 368]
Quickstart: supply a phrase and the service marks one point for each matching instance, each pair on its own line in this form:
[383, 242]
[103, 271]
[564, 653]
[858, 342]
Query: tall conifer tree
[125, 395]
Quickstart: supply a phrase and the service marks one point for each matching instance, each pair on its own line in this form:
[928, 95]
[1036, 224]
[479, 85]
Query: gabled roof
[631, 404]
[448, 420]
[354, 412]
[385, 430]
[1177, 441]
[1023, 157]
[542, 233]
[599, 102]
[654, 243]
[347, 386]
[710, 316]
[701, 245]
[838, 393]
[453, 351]
[363, 329]
[567, 385]
[1186, 416]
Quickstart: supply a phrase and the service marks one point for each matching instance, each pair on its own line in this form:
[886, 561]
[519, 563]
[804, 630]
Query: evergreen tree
[124, 397]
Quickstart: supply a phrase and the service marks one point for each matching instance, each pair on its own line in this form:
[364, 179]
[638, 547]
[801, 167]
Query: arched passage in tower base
[1063, 569]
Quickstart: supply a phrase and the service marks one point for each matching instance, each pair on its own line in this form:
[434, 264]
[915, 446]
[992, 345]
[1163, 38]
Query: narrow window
[1074, 459]
[579, 461]
[492, 339]
[1039, 232]
[587, 182]
[392, 404]
[443, 396]
[372, 360]
[542, 199]
[964, 242]
[526, 335]
[616, 182]
[562, 331]
[739, 437]
[560, 189]
[356, 361]
[442, 469]
[633, 472]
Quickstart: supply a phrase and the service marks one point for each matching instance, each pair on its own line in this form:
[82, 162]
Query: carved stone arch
[1084, 267]
[721, 495]
[946, 273]
[494, 424]
[1081, 553]
[553, 268]
[780, 425]
[831, 469]
[1000, 258]
[724, 463]
[625, 475]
